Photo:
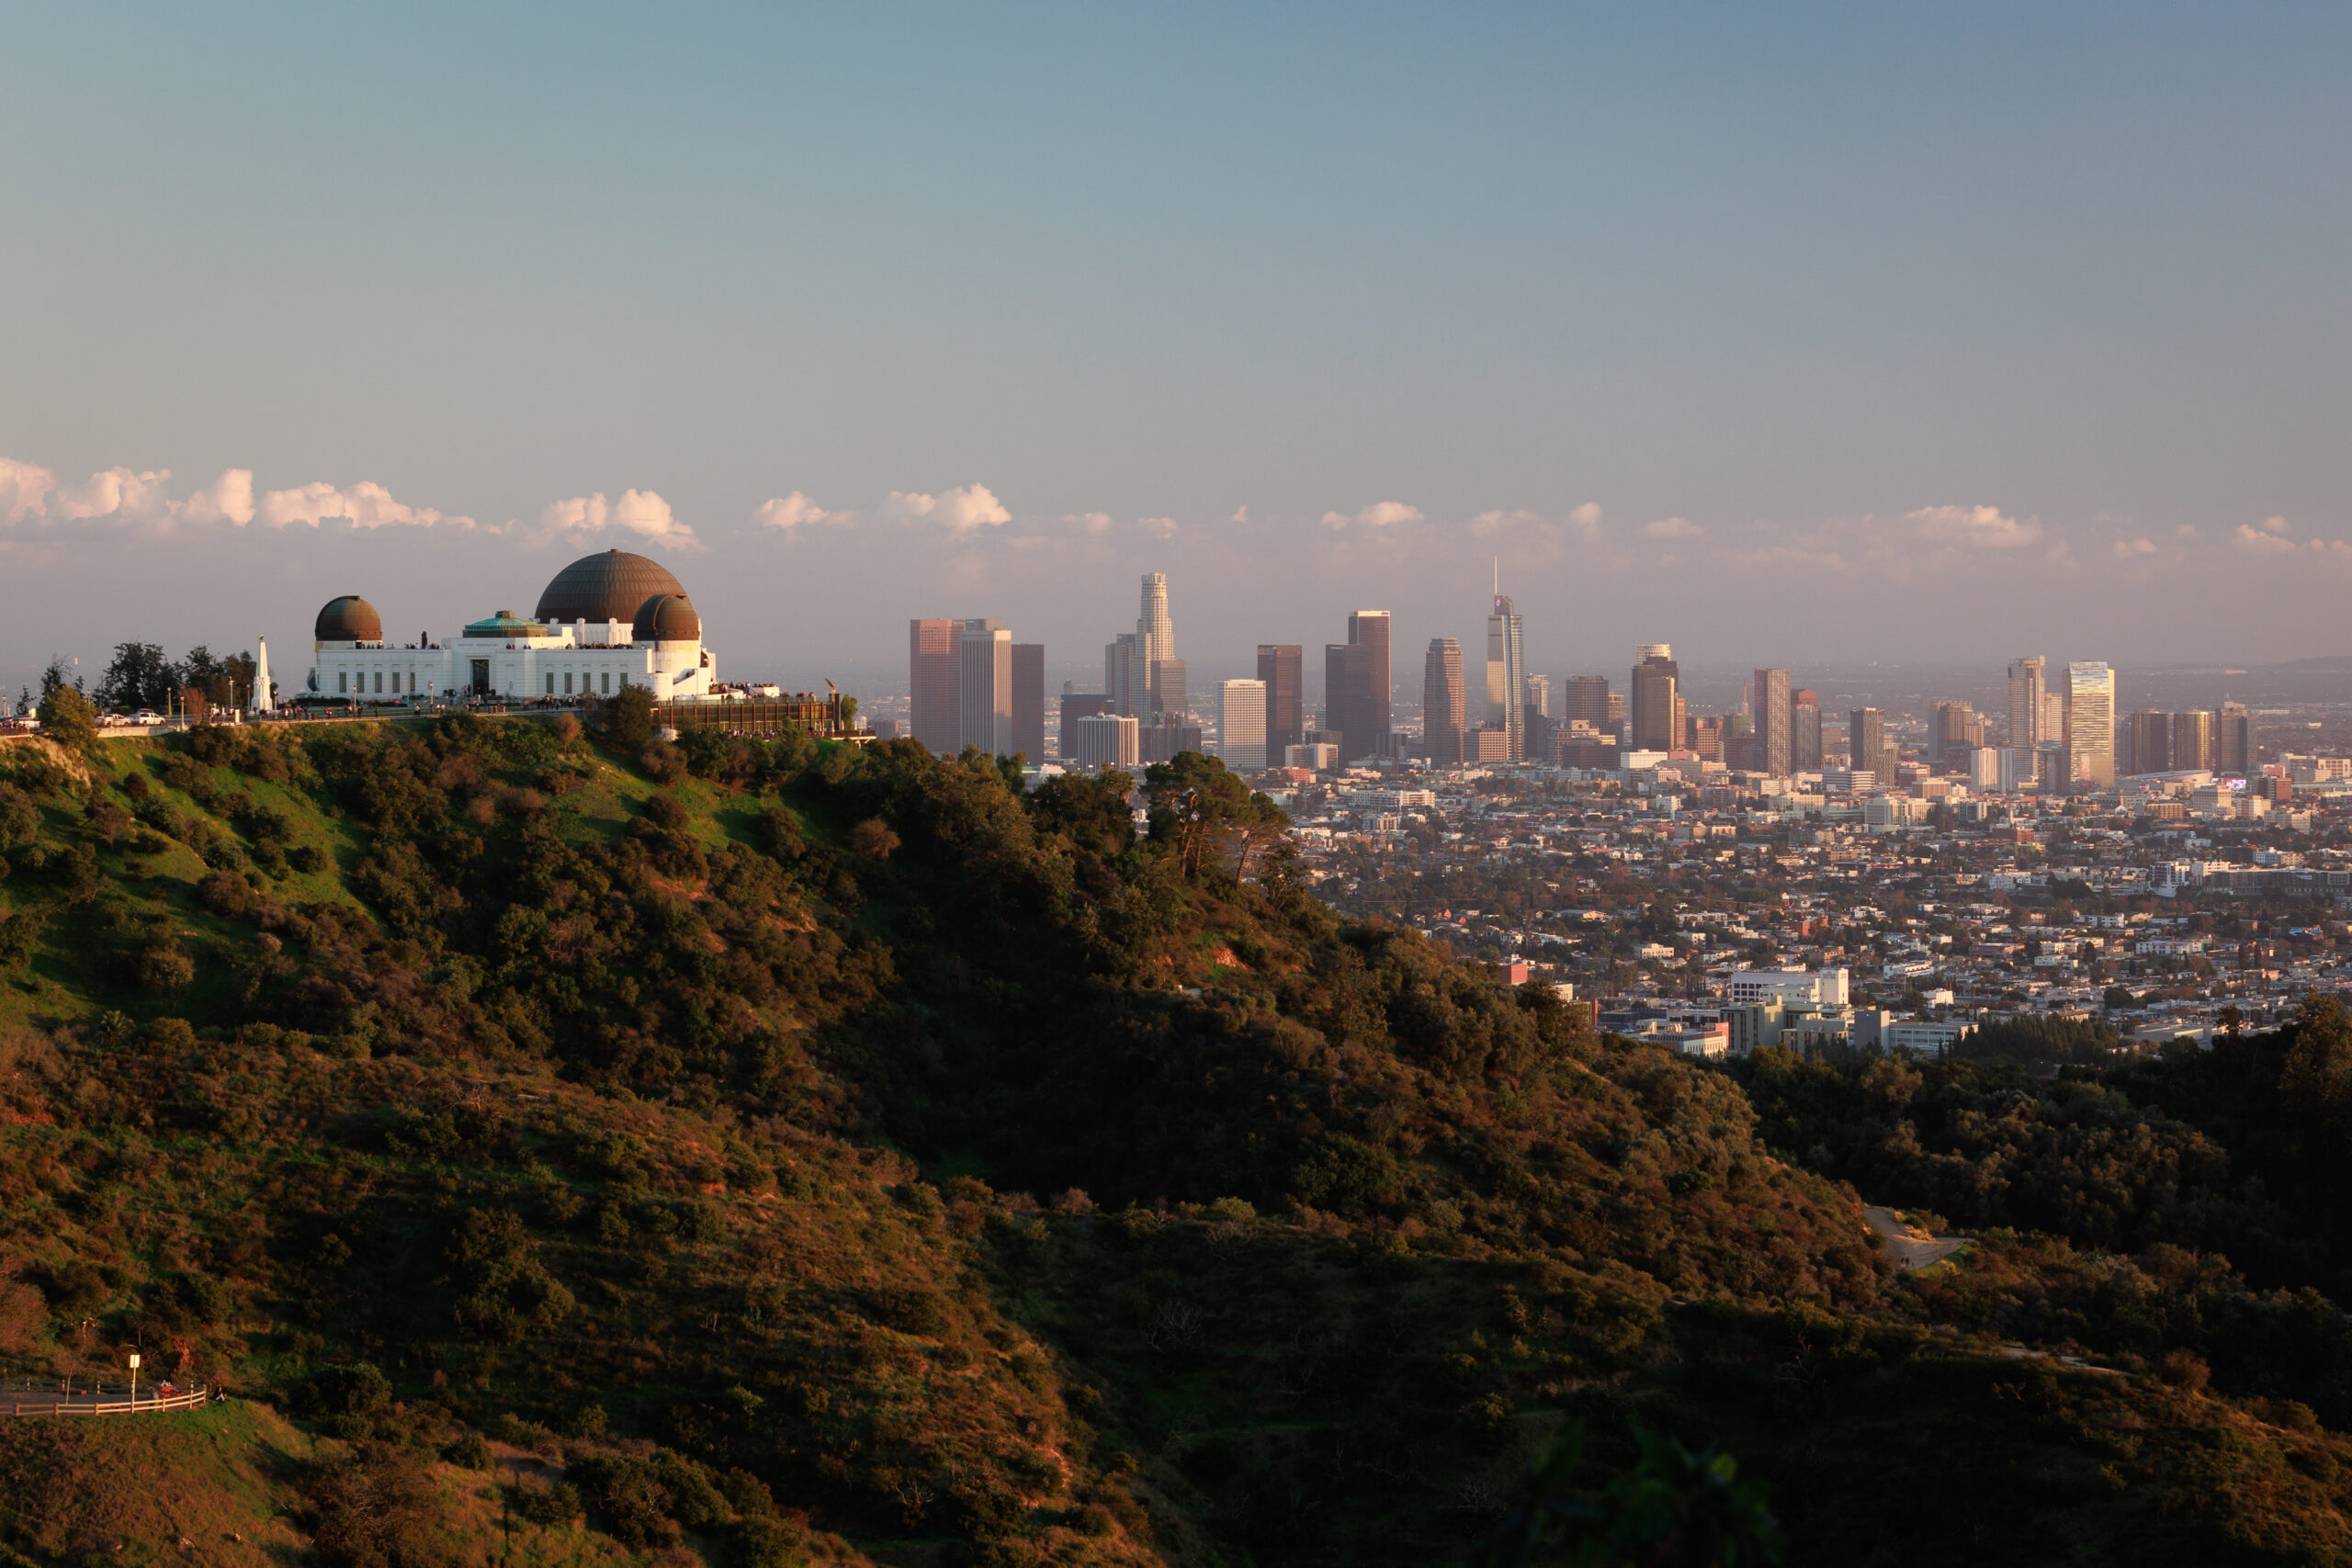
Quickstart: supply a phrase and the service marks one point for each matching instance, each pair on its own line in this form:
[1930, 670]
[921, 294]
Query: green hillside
[775, 1153]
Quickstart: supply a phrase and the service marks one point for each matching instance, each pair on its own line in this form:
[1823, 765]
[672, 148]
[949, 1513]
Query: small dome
[349, 619]
[605, 587]
[666, 617]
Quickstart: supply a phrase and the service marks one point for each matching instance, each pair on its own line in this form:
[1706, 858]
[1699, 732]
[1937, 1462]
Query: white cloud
[2337, 548]
[1379, 514]
[1240, 513]
[365, 505]
[2276, 526]
[24, 490]
[1974, 527]
[959, 511]
[795, 511]
[640, 511]
[229, 498]
[2265, 541]
[115, 492]
[121, 495]
[1587, 516]
[2124, 549]
[1672, 528]
[1095, 522]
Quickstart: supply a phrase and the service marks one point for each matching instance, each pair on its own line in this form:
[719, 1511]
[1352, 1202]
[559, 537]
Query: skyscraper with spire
[1507, 675]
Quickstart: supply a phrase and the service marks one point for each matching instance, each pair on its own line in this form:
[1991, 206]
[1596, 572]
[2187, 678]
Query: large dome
[666, 617]
[607, 587]
[348, 619]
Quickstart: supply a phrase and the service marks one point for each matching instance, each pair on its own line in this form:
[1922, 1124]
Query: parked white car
[146, 715]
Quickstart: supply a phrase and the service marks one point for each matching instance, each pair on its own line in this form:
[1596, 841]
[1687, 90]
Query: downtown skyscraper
[1140, 670]
[1442, 718]
[2090, 722]
[1280, 667]
[1651, 707]
[1507, 677]
[1775, 719]
[1356, 686]
[2028, 693]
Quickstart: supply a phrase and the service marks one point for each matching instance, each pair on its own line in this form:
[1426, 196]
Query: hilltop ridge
[780, 1151]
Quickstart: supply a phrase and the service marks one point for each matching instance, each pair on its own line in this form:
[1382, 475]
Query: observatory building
[606, 622]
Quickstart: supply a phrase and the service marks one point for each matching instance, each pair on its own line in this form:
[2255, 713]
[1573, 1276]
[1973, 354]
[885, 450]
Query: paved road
[1910, 1248]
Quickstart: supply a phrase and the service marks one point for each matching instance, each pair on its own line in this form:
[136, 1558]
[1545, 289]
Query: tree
[138, 677]
[223, 679]
[1093, 811]
[1196, 805]
[628, 717]
[1672, 1507]
[67, 717]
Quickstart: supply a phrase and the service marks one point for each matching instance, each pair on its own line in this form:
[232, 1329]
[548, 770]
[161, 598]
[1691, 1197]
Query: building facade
[1653, 704]
[1507, 676]
[1280, 667]
[2090, 722]
[605, 622]
[1241, 726]
[1442, 702]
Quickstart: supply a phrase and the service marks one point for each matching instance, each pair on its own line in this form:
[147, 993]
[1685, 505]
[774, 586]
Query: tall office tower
[1805, 731]
[1125, 680]
[2193, 736]
[1507, 677]
[1952, 727]
[1075, 706]
[1347, 694]
[1241, 726]
[985, 712]
[2053, 716]
[1279, 668]
[2027, 686]
[1368, 629]
[2233, 740]
[934, 680]
[1029, 700]
[1157, 632]
[1774, 715]
[1539, 696]
[2147, 743]
[1705, 738]
[1168, 697]
[2090, 721]
[1651, 699]
[1443, 720]
[1867, 747]
[1584, 697]
[1984, 769]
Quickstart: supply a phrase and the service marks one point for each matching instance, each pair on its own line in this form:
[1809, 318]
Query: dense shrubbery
[735, 1121]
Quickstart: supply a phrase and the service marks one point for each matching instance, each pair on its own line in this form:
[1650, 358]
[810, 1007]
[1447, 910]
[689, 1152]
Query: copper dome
[348, 619]
[666, 617]
[607, 587]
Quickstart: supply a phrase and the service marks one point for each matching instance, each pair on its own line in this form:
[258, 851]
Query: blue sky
[1771, 331]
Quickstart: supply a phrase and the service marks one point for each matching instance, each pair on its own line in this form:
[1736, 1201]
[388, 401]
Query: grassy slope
[760, 1280]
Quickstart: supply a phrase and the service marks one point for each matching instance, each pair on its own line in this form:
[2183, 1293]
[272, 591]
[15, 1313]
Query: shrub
[469, 1451]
